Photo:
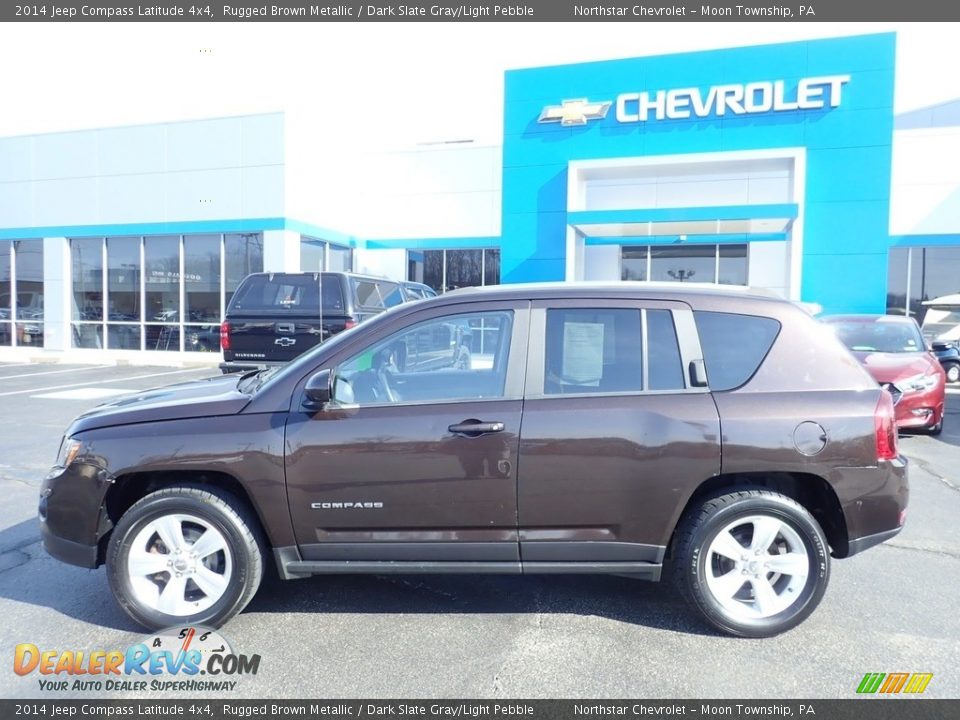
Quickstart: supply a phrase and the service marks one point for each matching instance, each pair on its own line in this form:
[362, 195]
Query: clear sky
[376, 84]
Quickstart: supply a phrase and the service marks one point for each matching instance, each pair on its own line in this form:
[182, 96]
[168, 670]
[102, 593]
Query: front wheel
[185, 555]
[754, 563]
[953, 372]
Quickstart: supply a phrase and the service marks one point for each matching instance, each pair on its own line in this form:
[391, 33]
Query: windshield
[879, 336]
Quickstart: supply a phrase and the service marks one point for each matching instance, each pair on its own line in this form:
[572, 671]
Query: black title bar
[225, 709]
[505, 11]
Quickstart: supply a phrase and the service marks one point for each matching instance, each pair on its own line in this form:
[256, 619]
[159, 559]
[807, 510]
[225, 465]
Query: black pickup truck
[274, 317]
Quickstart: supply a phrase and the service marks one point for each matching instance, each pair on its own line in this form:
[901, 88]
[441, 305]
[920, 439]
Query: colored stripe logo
[894, 683]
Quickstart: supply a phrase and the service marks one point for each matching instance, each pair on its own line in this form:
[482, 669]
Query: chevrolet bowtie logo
[574, 112]
[284, 342]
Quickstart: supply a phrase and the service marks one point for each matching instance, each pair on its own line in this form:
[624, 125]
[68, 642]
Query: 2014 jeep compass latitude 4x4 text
[723, 439]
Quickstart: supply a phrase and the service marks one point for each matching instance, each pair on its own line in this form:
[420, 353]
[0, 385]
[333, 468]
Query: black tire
[936, 429]
[701, 526]
[953, 372]
[234, 520]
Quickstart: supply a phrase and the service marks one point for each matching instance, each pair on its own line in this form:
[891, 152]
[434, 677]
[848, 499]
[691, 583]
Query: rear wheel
[185, 555]
[754, 563]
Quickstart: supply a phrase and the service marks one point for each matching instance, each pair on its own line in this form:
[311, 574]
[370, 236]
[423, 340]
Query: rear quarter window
[734, 346]
[378, 294]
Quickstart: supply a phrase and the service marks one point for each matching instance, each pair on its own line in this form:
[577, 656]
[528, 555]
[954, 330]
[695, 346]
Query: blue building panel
[847, 144]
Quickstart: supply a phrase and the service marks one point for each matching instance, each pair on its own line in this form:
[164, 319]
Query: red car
[894, 352]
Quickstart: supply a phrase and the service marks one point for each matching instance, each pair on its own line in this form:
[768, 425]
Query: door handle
[474, 428]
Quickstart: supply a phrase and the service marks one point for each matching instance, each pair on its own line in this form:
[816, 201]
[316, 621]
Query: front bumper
[920, 409]
[72, 553]
[72, 514]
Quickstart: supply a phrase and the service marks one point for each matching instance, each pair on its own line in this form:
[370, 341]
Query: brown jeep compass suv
[724, 440]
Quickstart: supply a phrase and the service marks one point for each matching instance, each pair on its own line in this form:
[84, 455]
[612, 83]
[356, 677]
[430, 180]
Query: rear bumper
[868, 541]
[874, 502]
[235, 366]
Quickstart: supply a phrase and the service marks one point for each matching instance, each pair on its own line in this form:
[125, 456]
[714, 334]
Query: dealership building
[778, 166]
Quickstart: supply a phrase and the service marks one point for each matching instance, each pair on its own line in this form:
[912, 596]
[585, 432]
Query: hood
[196, 398]
[891, 367]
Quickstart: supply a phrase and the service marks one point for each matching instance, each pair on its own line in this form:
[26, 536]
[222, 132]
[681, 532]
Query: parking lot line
[953, 391]
[33, 391]
[52, 372]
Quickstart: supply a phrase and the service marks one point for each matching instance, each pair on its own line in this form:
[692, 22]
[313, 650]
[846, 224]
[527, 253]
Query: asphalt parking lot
[893, 609]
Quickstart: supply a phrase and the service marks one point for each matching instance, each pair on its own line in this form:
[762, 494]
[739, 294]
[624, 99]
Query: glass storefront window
[633, 264]
[433, 269]
[6, 293]
[162, 279]
[86, 261]
[732, 267]
[464, 269]
[311, 254]
[919, 274]
[340, 259]
[451, 269]
[719, 263]
[684, 263]
[123, 279]
[491, 267]
[201, 278]
[243, 254]
[941, 266]
[162, 292]
[28, 263]
[897, 281]
[319, 255]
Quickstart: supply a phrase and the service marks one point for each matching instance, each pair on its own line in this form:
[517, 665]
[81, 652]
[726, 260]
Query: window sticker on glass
[582, 353]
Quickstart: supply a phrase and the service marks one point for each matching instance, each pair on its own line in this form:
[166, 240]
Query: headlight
[69, 448]
[918, 383]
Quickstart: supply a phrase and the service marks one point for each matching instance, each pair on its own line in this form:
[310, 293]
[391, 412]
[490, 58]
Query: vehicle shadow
[622, 599]
[29, 576]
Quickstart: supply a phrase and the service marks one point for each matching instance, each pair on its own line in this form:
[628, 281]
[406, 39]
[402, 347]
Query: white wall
[601, 262]
[226, 168]
[925, 192]
[747, 182]
[391, 263]
[768, 266]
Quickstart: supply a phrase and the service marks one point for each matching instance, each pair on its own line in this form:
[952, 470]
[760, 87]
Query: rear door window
[733, 346]
[608, 350]
[593, 351]
[664, 367]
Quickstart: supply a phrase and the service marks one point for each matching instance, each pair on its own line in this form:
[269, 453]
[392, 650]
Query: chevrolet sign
[814, 93]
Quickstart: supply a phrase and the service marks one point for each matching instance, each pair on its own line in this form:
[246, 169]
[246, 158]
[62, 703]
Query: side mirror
[319, 389]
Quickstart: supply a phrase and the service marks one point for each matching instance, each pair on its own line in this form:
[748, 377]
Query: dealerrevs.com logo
[191, 659]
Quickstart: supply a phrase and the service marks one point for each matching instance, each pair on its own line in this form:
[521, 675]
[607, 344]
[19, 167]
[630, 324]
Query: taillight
[349, 324]
[225, 335]
[885, 423]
